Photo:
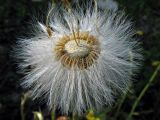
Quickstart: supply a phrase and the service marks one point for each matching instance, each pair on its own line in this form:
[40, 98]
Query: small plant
[80, 59]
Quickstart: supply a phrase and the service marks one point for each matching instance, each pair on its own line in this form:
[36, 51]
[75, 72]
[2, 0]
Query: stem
[143, 92]
[74, 116]
[24, 99]
[120, 105]
[67, 4]
[49, 13]
[53, 1]
[49, 31]
[96, 9]
[95, 4]
[22, 111]
[52, 115]
[75, 36]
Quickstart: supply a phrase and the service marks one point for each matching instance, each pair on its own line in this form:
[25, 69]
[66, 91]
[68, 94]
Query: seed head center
[80, 50]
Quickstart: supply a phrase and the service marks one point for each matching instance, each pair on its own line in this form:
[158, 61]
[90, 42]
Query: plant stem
[53, 1]
[143, 92]
[22, 111]
[52, 115]
[74, 116]
[120, 104]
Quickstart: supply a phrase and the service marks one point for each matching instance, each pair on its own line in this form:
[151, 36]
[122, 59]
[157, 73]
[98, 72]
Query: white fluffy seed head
[75, 78]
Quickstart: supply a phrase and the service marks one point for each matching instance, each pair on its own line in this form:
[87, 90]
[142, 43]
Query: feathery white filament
[75, 78]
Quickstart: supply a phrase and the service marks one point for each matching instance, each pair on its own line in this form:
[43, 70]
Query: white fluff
[78, 90]
[108, 4]
[111, 5]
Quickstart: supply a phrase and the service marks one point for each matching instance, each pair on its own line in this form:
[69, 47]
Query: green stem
[49, 13]
[143, 92]
[120, 105]
[22, 111]
[74, 116]
[53, 1]
[52, 115]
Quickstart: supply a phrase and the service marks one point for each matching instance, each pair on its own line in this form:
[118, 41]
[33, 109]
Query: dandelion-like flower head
[81, 61]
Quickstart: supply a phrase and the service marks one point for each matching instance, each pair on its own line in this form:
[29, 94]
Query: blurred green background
[15, 19]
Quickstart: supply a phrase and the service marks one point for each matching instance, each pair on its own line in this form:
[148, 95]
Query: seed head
[80, 60]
